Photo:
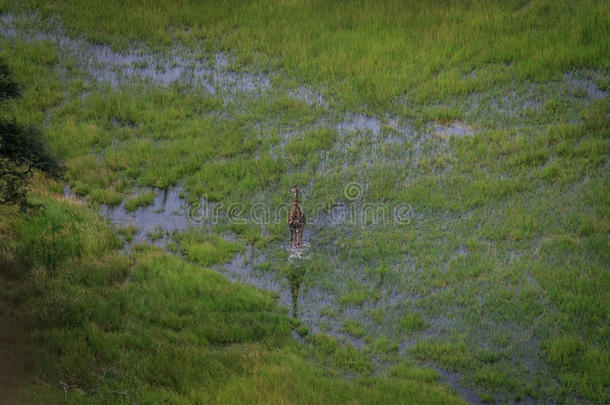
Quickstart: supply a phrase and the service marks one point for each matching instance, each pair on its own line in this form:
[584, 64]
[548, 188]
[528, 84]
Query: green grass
[106, 196]
[140, 200]
[371, 52]
[109, 328]
[306, 149]
[576, 362]
[409, 371]
[206, 249]
[500, 274]
[412, 322]
[128, 232]
[452, 355]
[354, 328]
[155, 234]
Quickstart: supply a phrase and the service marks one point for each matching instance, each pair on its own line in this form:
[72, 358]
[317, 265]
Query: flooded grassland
[452, 266]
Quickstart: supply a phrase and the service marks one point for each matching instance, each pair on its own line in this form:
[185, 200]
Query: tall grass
[500, 276]
[370, 52]
[83, 323]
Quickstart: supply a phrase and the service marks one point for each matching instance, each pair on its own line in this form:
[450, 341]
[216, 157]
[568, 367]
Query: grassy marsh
[489, 119]
[84, 314]
[369, 52]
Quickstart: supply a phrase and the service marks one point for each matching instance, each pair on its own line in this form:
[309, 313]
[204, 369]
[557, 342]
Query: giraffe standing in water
[296, 221]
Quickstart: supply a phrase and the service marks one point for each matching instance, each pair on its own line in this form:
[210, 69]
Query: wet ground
[302, 293]
[377, 139]
[153, 224]
[103, 64]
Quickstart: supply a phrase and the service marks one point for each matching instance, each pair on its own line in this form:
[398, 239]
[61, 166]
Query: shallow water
[309, 96]
[303, 298]
[453, 129]
[155, 223]
[359, 122]
[103, 64]
[308, 298]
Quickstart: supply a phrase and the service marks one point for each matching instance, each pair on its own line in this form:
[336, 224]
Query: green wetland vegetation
[483, 127]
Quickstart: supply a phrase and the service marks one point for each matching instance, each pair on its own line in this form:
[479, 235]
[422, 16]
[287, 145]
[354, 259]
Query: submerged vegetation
[489, 119]
[82, 322]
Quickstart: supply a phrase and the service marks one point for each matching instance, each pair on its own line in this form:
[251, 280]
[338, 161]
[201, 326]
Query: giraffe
[296, 221]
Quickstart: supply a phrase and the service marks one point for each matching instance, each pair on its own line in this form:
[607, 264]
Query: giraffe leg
[299, 239]
[291, 237]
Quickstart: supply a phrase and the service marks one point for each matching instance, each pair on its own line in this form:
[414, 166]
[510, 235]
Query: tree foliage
[22, 149]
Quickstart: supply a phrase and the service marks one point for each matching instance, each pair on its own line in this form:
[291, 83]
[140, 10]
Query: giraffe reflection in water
[296, 275]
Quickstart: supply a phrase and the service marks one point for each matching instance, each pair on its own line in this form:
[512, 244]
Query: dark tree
[22, 149]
